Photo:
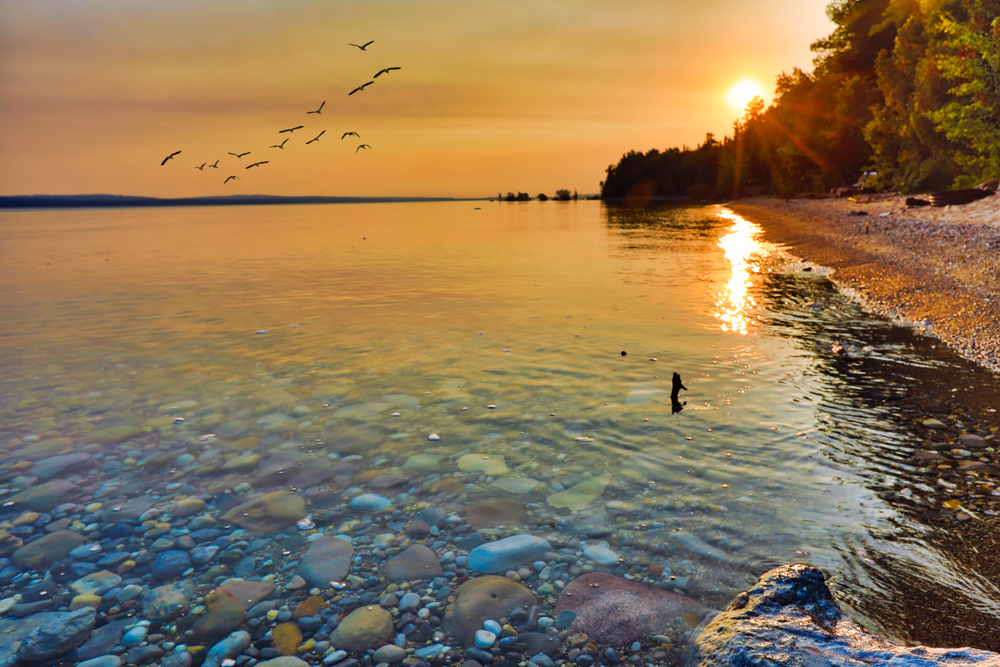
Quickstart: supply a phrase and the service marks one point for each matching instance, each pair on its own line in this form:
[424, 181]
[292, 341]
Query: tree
[543, 197]
[563, 195]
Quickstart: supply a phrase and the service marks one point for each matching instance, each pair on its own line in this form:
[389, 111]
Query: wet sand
[936, 267]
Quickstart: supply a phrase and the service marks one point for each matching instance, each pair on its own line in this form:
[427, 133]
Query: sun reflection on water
[743, 251]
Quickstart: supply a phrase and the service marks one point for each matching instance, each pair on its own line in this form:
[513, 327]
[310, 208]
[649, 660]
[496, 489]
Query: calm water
[543, 333]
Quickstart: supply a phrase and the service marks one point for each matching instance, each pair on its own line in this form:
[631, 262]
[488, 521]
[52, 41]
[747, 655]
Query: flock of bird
[290, 130]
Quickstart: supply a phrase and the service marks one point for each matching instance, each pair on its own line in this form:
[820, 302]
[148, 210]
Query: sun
[744, 90]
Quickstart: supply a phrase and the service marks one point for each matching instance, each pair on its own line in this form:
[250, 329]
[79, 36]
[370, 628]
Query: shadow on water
[891, 407]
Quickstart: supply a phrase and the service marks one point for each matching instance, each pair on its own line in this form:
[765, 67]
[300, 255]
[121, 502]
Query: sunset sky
[492, 96]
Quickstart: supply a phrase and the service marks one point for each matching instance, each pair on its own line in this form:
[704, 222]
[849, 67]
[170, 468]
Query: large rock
[507, 553]
[327, 559]
[45, 635]
[43, 497]
[47, 550]
[616, 611]
[268, 513]
[363, 629]
[480, 599]
[417, 562]
[790, 619]
[244, 594]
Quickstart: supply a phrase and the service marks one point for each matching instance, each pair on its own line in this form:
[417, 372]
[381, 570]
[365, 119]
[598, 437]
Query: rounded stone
[482, 599]
[363, 629]
[170, 564]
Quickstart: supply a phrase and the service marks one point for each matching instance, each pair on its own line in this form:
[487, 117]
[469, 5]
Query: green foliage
[907, 88]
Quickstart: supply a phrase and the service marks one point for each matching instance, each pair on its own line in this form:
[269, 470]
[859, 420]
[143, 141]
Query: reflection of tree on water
[932, 579]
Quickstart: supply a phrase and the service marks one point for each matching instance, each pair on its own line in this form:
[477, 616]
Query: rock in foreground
[790, 619]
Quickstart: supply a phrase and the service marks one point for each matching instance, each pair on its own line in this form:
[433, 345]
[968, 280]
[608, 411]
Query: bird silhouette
[291, 129]
[255, 164]
[361, 87]
[316, 138]
[169, 157]
[365, 146]
[202, 167]
[347, 134]
[230, 178]
[387, 69]
[214, 166]
[281, 145]
[362, 47]
[320, 110]
[240, 155]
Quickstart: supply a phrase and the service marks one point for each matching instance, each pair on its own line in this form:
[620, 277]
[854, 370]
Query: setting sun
[744, 90]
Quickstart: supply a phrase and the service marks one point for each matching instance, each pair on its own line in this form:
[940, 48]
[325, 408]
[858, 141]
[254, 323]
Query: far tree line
[561, 195]
[909, 90]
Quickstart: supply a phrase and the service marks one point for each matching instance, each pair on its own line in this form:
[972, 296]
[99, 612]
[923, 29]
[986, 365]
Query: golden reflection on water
[743, 251]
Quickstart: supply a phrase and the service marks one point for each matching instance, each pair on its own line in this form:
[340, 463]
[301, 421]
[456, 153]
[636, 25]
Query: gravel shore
[936, 267]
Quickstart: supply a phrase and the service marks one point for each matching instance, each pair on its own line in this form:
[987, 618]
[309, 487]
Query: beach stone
[143, 655]
[48, 549]
[495, 512]
[409, 602]
[363, 629]
[57, 633]
[284, 661]
[370, 502]
[615, 611]
[81, 601]
[44, 497]
[517, 486]
[227, 649]
[95, 583]
[182, 659]
[481, 599]
[170, 564]
[9, 543]
[696, 545]
[487, 464]
[934, 423]
[244, 594]
[582, 495]
[54, 465]
[268, 513]
[113, 435]
[971, 441]
[244, 464]
[101, 661]
[507, 553]
[416, 562]
[790, 618]
[168, 602]
[389, 653]
[601, 555]
[327, 559]
[186, 507]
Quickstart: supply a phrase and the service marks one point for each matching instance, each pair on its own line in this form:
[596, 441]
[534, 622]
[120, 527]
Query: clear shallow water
[364, 329]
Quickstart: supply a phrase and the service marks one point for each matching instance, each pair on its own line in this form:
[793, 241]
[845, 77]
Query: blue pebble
[485, 639]
[542, 660]
[370, 502]
[134, 636]
[492, 626]
[507, 553]
[431, 651]
[636, 647]
[334, 657]
[565, 619]
[170, 564]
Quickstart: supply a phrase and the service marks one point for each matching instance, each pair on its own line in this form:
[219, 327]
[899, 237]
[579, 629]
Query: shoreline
[937, 268]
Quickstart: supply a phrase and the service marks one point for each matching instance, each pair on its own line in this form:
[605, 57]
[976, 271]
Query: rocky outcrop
[790, 619]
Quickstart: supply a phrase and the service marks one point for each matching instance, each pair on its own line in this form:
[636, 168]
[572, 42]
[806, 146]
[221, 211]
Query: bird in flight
[291, 129]
[316, 138]
[214, 166]
[169, 157]
[363, 46]
[231, 178]
[281, 145]
[347, 134]
[361, 87]
[202, 167]
[255, 164]
[387, 69]
[365, 146]
[320, 110]
[240, 155]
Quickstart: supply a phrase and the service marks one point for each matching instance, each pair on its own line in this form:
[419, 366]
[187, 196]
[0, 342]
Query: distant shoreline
[123, 201]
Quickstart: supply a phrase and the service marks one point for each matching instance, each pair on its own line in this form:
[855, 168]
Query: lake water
[540, 337]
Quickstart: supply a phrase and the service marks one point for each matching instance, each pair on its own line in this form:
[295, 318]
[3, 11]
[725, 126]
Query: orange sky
[492, 96]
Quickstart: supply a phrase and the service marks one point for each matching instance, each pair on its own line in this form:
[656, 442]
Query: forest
[907, 89]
